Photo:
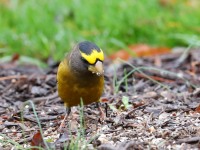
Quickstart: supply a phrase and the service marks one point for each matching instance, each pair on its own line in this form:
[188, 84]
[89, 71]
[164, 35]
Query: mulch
[151, 103]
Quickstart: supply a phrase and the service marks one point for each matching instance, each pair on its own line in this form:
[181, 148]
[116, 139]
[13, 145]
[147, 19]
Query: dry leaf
[139, 50]
[37, 140]
[152, 129]
[197, 110]
[122, 54]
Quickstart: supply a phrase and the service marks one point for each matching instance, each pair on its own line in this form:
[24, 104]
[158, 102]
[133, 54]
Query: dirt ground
[152, 103]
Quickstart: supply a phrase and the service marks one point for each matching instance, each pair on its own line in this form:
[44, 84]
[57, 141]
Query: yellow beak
[97, 68]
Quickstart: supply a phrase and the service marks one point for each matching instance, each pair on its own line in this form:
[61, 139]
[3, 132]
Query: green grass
[50, 28]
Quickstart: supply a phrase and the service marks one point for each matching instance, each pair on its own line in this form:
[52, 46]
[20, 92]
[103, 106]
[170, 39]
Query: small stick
[13, 77]
[189, 140]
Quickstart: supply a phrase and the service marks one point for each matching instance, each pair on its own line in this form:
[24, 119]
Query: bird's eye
[84, 60]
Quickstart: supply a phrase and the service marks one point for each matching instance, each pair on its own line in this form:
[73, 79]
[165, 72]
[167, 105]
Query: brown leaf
[197, 110]
[122, 54]
[139, 50]
[15, 58]
[5, 2]
[167, 2]
[37, 140]
[104, 99]
[152, 129]
[138, 104]
[144, 50]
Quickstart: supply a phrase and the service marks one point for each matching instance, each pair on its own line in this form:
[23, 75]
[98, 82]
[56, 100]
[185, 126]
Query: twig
[22, 126]
[183, 57]
[189, 140]
[131, 111]
[25, 140]
[162, 73]
[155, 78]
[13, 77]
[39, 99]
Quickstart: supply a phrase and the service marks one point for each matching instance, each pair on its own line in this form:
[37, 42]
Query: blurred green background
[45, 28]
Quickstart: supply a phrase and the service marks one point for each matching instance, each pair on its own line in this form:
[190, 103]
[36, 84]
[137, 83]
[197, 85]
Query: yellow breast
[72, 89]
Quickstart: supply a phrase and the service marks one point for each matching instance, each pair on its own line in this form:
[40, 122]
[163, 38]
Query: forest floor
[152, 103]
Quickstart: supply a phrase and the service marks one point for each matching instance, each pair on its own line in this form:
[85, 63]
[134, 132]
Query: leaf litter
[151, 103]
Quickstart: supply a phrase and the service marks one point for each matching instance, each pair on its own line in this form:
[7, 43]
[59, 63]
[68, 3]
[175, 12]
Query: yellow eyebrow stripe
[91, 58]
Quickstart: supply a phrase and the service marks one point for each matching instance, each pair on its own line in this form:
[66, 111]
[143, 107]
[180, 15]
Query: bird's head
[90, 58]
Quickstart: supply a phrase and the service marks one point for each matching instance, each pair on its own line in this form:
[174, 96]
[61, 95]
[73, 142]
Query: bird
[80, 76]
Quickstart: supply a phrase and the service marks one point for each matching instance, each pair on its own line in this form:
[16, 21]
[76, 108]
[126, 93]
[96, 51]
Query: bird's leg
[102, 114]
[106, 109]
[68, 110]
